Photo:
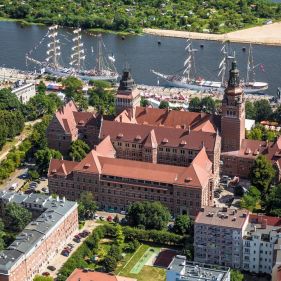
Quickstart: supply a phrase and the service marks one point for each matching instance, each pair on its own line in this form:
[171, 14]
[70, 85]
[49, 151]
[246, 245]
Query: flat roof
[194, 271]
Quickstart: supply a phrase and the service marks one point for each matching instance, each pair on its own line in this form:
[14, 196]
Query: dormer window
[120, 135]
[165, 140]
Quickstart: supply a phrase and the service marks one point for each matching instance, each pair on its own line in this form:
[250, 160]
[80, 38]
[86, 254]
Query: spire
[127, 83]
[233, 88]
[234, 79]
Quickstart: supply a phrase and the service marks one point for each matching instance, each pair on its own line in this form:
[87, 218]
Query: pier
[176, 95]
[184, 95]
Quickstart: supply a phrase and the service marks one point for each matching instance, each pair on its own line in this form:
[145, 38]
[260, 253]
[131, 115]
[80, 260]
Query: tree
[43, 158]
[16, 217]
[262, 174]
[236, 275]
[120, 238]
[78, 150]
[73, 91]
[182, 224]
[43, 278]
[163, 104]
[8, 100]
[86, 205]
[250, 200]
[255, 134]
[194, 105]
[110, 264]
[41, 88]
[263, 110]
[150, 215]
[208, 105]
[144, 102]
[272, 202]
[250, 110]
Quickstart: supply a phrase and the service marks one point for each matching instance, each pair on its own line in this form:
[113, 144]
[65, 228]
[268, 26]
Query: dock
[176, 95]
[185, 95]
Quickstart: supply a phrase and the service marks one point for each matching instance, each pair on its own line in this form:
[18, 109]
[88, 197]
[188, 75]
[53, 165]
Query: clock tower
[233, 112]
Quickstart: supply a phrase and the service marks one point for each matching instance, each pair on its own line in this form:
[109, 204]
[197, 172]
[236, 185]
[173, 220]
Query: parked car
[109, 218]
[86, 232]
[46, 273]
[70, 245]
[65, 253]
[14, 186]
[77, 240]
[51, 267]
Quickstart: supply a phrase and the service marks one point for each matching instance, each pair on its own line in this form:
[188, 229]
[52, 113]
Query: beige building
[218, 234]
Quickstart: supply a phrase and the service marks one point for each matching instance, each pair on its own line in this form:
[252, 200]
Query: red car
[109, 218]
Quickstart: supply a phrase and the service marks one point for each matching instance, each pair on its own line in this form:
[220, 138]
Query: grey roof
[53, 210]
[193, 271]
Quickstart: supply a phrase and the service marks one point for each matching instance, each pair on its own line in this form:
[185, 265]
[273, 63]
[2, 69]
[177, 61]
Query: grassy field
[147, 272]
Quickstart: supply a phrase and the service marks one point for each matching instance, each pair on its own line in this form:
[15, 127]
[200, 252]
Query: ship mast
[223, 66]
[78, 55]
[99, 56]
[53, 51]
[189, 63]
[250, 66]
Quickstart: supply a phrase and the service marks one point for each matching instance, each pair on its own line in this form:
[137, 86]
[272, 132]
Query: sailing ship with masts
[187, 78]
[103, 70]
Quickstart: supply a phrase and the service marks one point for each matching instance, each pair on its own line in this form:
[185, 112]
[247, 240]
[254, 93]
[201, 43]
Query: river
[142, 53]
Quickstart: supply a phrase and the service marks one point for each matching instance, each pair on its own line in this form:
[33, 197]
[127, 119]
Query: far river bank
[263, 35]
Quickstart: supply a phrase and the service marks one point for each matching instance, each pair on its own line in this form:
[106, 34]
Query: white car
[14, 186]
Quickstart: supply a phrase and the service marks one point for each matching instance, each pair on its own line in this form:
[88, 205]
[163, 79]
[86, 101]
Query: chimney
[264, 224]
[189, 129]
[120, 118]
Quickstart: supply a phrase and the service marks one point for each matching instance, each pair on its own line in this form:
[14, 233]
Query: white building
[23, 91]
[182, 270]
[261, 237]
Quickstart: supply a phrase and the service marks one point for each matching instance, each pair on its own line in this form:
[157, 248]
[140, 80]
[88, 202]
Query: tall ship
[104, 68]
[188, 78]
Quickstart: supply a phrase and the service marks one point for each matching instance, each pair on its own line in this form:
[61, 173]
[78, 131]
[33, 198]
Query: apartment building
[261, 244]
[55, 222]
[115, 183]
[218, 236]
[182, 270]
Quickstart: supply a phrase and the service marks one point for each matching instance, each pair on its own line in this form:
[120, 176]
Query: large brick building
[69, 124]
[115, 183]
[56, 220]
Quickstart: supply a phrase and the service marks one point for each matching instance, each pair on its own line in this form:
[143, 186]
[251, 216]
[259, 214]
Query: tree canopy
[182, 224]
[86, 205]
[128, 15]
[262, 174]
[78, 150]
[8, 100]
[43, 278]
[236, 275]
[43, 158]
[148, 215]
[16, 217]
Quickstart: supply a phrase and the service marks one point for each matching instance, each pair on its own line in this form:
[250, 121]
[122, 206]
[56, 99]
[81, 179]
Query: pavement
[59, 259]
[15, 177]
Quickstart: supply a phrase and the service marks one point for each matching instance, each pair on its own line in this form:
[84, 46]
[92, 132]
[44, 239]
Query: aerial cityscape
[140, 140]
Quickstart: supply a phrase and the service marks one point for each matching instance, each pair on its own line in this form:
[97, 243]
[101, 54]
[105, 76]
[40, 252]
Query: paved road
[24, 134]
[15, 177]
[59, 259]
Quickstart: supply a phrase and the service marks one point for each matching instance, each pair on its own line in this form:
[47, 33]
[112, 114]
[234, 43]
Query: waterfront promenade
[9, 76]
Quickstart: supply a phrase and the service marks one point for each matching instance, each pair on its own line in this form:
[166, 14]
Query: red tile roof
[69, 117]
[196, 175]
[169, 118]
[170, 137]
[61, 167]
[257, 218]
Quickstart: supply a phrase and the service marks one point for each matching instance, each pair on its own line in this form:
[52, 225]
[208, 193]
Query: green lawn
[147, 273]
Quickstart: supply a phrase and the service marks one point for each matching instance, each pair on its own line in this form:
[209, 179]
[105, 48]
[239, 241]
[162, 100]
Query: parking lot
[224, 193]
[56, 263]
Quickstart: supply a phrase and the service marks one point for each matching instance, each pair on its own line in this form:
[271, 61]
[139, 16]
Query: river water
[142, 53]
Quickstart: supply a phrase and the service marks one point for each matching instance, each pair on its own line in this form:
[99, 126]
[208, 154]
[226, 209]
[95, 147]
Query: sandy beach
[265, 34]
